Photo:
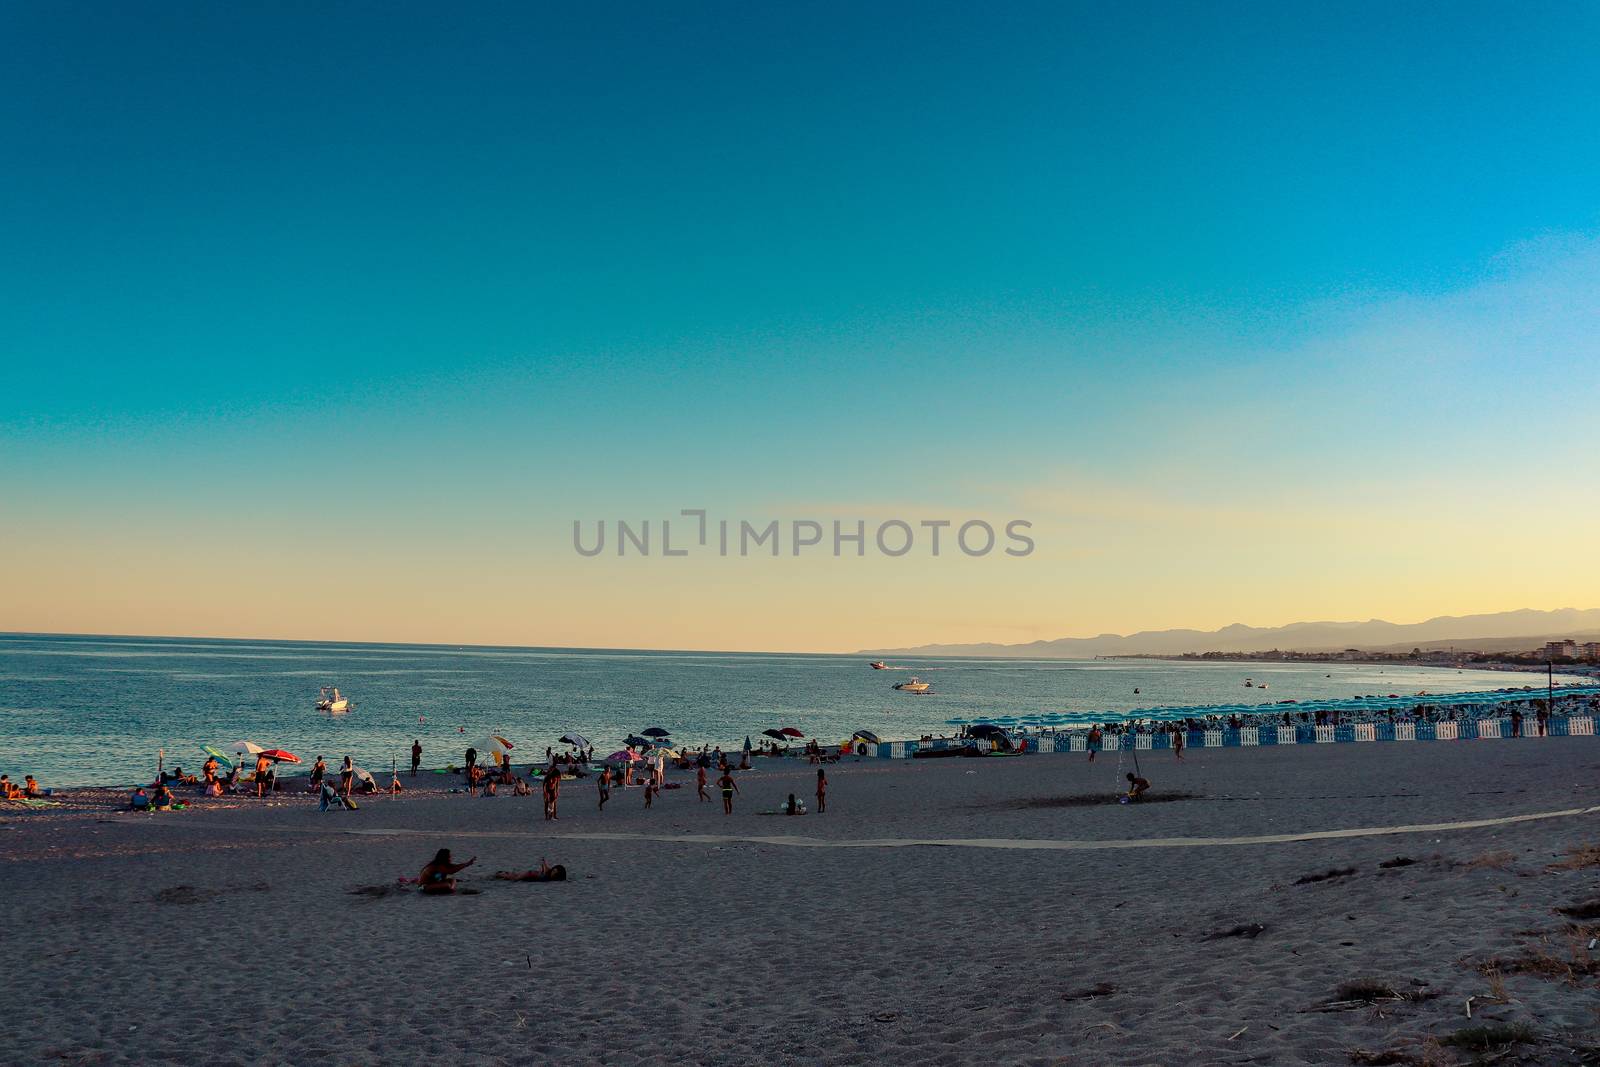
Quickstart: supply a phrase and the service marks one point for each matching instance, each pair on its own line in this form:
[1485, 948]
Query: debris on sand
[1102, 989]
[1250, 930]
[1494, 1038]
[1583, 909]
[1335, 872]
[1398, 861]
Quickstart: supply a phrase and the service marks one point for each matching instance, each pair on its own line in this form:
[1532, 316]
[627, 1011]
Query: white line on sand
[1039, 844]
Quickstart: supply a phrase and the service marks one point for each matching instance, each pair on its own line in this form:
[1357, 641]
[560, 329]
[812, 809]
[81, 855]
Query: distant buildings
[1560, 650]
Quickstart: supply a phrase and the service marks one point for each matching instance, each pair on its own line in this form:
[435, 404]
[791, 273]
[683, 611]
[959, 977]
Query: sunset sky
[328, 321]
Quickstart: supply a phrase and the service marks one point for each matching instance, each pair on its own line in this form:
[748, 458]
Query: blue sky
[519, 263]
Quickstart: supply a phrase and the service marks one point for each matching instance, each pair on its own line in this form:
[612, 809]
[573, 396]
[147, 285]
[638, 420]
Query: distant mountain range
[1517, 629]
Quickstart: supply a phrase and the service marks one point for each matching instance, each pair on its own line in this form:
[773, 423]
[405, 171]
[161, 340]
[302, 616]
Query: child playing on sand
[650, 790]
[438, 876]
[822, 791]
[728, 787]
[545, 873]
[521, 788]
[1137, 787]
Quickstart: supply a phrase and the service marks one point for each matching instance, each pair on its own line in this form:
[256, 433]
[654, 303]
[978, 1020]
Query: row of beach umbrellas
[499, 748]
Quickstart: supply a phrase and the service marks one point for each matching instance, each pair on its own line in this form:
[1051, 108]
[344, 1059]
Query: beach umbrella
[247, 746]
[623, 756]
[776, 735]
[278, 755]
[219, 757]
[790, 731]
[574, 739]
[747, 744]
[364, 775]
[638, 742]
[867, 736]
[656, 731]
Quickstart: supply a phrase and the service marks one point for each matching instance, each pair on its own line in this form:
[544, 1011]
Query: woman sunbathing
[437, 876]
[545, 873]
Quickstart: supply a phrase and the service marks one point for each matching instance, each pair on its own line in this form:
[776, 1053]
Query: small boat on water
[1248, 684]
[916, 685]
[879, 665]
[329, 700]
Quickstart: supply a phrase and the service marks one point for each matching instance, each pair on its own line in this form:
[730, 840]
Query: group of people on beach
[28, 790]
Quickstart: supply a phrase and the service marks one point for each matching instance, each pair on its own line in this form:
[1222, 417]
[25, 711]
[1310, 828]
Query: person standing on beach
[347, 777]
[416, 756]
[822, 791]
[700, 782]
[471, 760]
[1177, 743]
[261, 775]
[319, 770]
[552, 794]
[728, 787]
[1096, 738]
[605, 786]
[650, 791]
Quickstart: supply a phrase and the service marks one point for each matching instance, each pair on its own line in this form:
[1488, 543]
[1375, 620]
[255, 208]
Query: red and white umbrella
[278, 755]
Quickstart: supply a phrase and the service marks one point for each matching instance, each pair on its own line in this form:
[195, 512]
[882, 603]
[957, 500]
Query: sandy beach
[942, 911]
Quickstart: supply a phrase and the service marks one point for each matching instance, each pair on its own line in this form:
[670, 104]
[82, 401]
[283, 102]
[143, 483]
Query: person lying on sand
[1137, 787]
[545, 873]
[438, 875]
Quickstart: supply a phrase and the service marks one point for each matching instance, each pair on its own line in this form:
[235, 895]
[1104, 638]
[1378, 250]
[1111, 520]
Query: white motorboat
[916, 685]
[329, 700]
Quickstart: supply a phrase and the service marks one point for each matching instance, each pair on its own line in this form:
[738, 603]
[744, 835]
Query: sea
[80, 710]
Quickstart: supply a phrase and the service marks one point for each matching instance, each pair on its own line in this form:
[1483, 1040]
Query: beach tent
[364, 775]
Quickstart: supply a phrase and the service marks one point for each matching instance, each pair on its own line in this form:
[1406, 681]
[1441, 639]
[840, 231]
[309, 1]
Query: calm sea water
[76, 710]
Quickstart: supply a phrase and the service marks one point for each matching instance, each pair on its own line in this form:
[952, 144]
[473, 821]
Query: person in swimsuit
[262, 763]
[728, 787]
[1137, 787]
[700, 782]
[439, 875]
[347, 776]
[822, 791]
[319, 770]
[552, 794]
[416, 756]
[1095, 740]
[1177, 743]
[605, 786]
[545, 873]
